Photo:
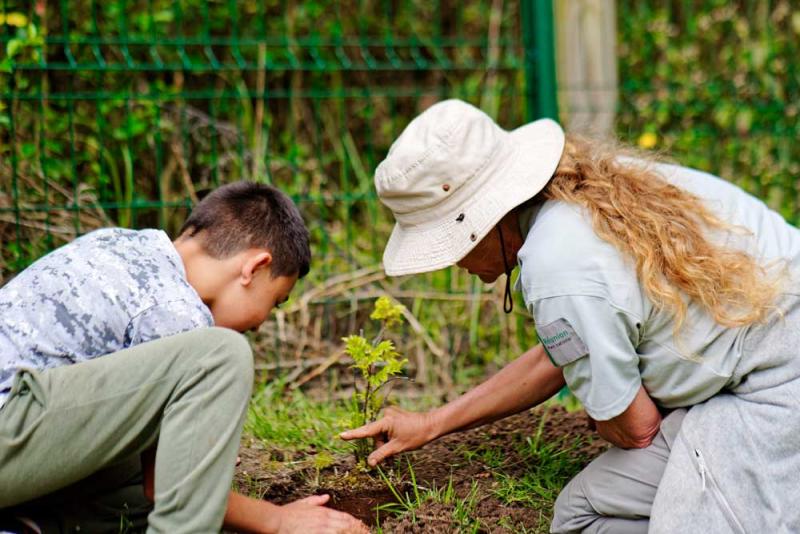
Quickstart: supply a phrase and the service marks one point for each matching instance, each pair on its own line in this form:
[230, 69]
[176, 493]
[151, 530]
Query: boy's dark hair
[242, 215]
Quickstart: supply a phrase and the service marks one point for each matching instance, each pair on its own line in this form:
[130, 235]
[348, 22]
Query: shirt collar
[527, 216]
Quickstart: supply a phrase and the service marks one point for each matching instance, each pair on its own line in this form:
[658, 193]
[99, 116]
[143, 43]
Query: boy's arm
[255, 515]
[303, 516]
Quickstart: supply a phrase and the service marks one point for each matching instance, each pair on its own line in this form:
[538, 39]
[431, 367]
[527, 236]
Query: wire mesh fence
[131, 107]
[126, 112]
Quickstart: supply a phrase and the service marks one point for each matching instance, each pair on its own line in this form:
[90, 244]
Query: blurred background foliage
[715, 85]
[126, 112]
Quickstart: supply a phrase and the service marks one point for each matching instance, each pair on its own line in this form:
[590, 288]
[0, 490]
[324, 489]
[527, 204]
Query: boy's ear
[261, 259]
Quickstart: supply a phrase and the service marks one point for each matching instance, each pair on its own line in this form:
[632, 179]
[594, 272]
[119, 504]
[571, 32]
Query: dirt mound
[502, 477]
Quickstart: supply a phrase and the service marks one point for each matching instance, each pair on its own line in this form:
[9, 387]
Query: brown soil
[456, 457]
[362, 504]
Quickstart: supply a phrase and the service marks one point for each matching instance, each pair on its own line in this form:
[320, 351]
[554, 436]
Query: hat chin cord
[508, 301]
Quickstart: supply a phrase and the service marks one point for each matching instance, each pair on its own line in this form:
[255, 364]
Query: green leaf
[27, 150]
[360, 350]
[13, 46]
[165, 15]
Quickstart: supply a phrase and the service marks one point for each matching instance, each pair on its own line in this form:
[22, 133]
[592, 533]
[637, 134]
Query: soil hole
[363, 504]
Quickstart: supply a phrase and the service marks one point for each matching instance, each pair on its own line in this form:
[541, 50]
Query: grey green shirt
[597, 323]
[106, 291]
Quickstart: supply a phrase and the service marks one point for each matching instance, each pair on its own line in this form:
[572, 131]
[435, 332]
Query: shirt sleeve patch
[561, 342]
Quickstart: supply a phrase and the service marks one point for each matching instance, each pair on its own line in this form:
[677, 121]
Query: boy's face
[244, 306]
[239, 290]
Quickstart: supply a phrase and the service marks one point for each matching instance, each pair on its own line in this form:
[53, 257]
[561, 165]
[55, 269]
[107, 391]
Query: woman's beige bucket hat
[452, 175]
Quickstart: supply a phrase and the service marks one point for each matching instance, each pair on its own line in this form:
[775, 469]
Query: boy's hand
[396, 432]
[310, 515]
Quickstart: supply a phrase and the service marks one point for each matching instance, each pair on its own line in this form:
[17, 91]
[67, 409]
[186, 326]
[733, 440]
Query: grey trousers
[615, 493]
[186, 394]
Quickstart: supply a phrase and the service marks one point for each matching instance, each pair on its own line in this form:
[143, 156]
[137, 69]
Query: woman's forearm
[636, 427]
[527, 381]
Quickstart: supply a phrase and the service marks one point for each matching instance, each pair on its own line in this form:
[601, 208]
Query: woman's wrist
[438, 423]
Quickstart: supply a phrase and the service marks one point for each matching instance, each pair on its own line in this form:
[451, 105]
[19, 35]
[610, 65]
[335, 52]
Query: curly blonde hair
[664, 230]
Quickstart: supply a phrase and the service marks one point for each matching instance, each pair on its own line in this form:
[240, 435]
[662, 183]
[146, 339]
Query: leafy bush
[713, 85]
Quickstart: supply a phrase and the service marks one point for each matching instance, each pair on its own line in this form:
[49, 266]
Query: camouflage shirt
[106, 291]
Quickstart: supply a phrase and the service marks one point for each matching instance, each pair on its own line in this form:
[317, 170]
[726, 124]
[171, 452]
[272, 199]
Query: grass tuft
[289, 422]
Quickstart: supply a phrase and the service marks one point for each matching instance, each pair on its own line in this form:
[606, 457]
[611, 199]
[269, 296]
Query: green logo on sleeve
[561, 342]
[553, 339]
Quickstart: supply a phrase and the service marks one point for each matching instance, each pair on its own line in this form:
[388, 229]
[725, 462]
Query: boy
[123, 381]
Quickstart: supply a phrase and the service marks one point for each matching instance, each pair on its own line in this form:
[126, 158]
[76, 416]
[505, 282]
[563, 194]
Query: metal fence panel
[125, 112]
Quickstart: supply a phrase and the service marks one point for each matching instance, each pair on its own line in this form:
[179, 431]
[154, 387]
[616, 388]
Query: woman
[663, 297]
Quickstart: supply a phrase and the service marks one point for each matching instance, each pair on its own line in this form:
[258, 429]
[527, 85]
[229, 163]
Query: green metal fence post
[540, 64]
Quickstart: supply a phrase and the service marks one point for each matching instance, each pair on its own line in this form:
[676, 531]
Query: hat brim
[537, 149]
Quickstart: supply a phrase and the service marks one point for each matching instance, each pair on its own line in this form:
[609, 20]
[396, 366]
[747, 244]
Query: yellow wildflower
[14, 19]
[648, 140]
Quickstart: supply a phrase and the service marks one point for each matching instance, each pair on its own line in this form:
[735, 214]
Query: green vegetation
[408, 503]
[539, 470]
[548, 467]
[713, 85]
[124, 113]
[290, 424]
[377, 363]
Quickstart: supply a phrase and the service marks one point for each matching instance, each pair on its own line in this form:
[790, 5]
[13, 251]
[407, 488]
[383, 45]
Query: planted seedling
[376, 364]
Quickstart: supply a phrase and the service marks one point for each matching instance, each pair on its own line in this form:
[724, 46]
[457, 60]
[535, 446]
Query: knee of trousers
[572, 510]
[229, 357]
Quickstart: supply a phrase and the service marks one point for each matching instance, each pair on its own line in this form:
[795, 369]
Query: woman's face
[486, 259]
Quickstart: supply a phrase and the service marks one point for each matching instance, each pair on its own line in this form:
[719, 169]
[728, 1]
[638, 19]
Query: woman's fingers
[389, 449]
[397, 432]
[371, 429]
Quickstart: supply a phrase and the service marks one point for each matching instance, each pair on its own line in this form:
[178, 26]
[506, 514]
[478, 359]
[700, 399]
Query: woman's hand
[636, 427]
[527, 381]
[398, 431]
[310, 515]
